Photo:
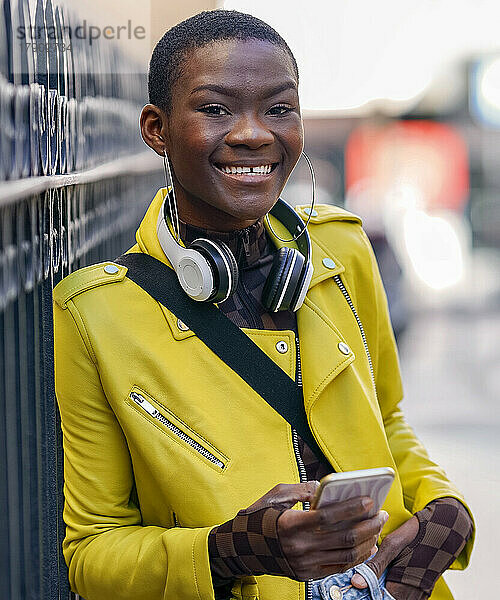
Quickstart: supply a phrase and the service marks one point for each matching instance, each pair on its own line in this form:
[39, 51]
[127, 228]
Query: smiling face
[234, 132]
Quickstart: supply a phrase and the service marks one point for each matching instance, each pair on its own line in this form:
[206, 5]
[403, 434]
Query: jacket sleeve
[421, 478]
[110, 554]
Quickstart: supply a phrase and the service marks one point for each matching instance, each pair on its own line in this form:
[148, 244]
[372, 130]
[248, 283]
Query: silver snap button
[282, 347]
[336, 593]
[329, 263]
[111, 269]
[312, 212]
[344, 348]
[182, 326]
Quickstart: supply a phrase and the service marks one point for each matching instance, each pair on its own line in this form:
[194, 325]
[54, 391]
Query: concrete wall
[165, 13]
[154, 17]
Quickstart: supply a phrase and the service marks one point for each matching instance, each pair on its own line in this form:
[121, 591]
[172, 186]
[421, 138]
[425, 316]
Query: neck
[209, 218]
[248, 244]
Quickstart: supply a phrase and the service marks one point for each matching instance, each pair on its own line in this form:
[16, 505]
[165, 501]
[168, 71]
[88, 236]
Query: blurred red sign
[429, 157]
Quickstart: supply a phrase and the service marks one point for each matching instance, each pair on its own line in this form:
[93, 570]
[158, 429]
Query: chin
[247, 214]
[248, 209]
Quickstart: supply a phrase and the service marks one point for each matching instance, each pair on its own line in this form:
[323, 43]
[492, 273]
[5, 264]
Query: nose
[248, 130]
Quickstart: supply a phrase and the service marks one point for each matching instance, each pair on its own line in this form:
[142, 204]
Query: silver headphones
[208, 271]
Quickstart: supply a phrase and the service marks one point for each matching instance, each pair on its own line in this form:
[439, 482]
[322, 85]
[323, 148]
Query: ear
[154, 128]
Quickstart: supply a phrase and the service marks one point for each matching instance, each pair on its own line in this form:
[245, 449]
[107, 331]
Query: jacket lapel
[321, 358]
[340, 404]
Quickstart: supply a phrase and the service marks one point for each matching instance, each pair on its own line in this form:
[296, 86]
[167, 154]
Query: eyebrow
[236, 92]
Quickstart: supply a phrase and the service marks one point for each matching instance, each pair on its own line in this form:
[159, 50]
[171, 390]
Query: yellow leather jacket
[142, 492]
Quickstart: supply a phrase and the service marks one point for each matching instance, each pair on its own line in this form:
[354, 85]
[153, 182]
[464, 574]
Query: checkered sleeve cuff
[444, 528]
[248, 544]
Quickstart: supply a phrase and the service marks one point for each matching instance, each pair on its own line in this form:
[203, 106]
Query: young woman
[181, 482]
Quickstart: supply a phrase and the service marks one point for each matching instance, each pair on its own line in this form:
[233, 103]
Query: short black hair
[165, 66]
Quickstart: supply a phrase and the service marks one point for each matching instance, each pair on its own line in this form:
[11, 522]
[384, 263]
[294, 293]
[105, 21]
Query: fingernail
[367, 502]
[358, 581]
[385, 516]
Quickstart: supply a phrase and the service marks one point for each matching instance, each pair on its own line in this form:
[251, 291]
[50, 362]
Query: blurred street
[450, 364]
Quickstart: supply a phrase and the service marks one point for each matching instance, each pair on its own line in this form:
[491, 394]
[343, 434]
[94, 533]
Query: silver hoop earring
[313, 180]
[172, 201]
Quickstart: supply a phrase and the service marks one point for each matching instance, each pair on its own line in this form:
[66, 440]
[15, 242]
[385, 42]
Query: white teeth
[258, 170]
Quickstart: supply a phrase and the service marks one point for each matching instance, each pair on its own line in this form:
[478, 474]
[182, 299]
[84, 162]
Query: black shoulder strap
[225, 339]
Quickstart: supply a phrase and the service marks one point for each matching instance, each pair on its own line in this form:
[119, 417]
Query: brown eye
[215, 110]
[280, 110]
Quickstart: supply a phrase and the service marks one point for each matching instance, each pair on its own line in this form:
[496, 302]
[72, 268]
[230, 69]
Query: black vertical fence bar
[75, 179]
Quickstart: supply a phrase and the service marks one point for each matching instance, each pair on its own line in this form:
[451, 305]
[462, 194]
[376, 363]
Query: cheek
[293, 140]
[191, 138]
[190, 156]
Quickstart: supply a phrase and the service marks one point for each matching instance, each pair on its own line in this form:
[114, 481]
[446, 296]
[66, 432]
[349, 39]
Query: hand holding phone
[336, 487]
[342, 527]
[330, 539]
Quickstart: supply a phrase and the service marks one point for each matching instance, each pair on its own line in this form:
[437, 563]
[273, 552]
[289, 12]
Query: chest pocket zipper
[146, 407]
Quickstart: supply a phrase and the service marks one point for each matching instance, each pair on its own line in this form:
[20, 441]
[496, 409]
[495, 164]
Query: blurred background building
[401, 101]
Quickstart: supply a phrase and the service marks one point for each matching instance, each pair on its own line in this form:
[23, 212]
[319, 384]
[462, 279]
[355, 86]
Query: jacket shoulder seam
[80, 324]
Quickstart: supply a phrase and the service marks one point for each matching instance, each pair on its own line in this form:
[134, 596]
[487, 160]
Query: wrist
[248, 544]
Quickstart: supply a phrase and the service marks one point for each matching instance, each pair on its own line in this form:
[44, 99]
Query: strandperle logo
[84, 31]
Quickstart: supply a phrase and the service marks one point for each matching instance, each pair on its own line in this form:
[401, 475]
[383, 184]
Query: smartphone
[336, 487]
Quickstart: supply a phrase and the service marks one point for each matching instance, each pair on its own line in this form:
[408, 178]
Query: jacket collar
[325, 263]
[146, 236]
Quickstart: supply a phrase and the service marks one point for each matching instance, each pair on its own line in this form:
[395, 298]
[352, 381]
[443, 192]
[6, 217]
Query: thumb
[377, 564]
[358, 581]
[286, 495]
[392, 545]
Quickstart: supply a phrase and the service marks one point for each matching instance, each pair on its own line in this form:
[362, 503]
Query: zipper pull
[246, 243]
[143, 403]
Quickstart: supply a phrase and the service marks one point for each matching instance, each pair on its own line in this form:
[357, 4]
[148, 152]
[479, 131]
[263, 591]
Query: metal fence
[63, 204]
[65, 104]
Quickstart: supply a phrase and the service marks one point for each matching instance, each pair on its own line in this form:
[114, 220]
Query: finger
[291, 493]
[358, 581]
[342, 559]
[286, 494]
[378, 563]
[351, 535]
[390, 547]
[329, 516]
[333, 518]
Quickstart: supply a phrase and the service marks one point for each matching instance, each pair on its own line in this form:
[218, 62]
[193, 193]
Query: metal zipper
[300, 462]
[147, 407]
[303, 479]
[345, 293]
[241, 291]
[299, 364]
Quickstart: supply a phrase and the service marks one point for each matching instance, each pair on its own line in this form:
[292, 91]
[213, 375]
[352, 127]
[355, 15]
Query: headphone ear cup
[273, 287]
[233, 268]
[223, 265]
[285, 280]
[293, 280]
